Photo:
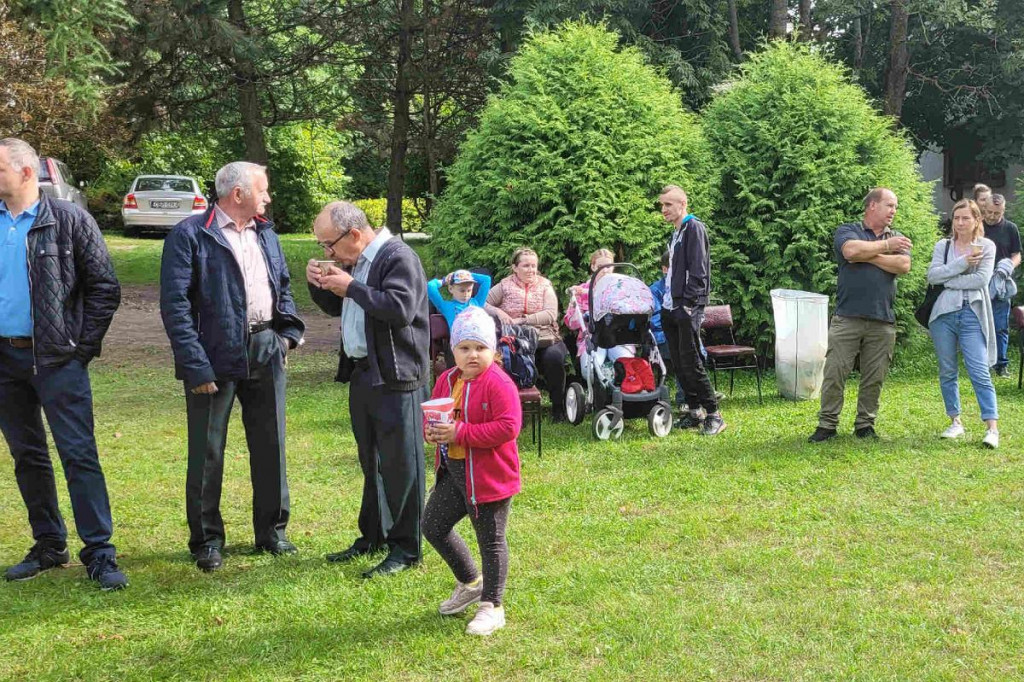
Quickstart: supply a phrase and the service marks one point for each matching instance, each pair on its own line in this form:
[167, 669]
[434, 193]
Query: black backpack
[517, 345]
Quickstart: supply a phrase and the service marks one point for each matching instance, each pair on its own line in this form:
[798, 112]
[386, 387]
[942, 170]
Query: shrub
[376, 211]
[799, 147]
[568, 157]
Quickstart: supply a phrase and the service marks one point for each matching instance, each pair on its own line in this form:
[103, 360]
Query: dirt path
[137, 324]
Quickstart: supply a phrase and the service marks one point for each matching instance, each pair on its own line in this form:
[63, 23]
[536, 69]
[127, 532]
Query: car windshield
[44, 171]
[163, 185]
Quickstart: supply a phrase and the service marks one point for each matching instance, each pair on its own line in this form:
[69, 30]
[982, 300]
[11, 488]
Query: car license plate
[164, 204]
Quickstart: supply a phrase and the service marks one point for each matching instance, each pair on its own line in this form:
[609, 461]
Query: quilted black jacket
[74, 289]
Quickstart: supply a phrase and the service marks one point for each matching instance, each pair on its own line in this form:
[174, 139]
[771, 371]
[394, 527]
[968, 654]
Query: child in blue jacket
[460, 285]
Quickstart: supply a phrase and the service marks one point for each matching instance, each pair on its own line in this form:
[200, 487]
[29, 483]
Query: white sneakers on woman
[954, 430]
[488, 618]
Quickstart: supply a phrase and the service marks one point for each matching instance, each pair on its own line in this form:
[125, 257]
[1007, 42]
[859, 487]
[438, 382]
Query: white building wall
[930, 164]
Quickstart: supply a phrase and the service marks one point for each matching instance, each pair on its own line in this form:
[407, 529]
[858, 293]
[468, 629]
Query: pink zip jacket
[491, 419]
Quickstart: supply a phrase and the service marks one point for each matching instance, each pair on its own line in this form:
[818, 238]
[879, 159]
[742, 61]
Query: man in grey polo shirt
[871, 256]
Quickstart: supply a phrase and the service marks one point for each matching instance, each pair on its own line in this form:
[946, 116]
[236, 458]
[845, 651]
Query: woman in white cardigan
[962, 317]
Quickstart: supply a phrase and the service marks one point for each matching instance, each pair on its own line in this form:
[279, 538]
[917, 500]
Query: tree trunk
[778, 18]
[400, 132]
[899, 59]
[806, 32]
[734, 31]
[248, 96]
[858, 45]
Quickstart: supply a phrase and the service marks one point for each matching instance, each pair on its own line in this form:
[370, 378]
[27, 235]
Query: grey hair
[346, 217]
[21, 154]
[237, 174]
[997, 199]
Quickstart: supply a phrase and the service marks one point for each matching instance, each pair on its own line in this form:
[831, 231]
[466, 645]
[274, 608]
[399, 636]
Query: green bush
[376, 211]
[305, 169]
[570, 156]
[799, 147]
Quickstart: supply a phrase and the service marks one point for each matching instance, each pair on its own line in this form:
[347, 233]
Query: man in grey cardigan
[870, 256]
[380, 292]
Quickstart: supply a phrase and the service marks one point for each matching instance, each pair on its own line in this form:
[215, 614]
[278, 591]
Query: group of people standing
[226, 303]
[974, 267]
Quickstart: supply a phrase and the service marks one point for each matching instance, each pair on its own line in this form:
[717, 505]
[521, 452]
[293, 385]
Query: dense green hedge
[376, 211]
[570, 156]
[799, 147]
[305, 169]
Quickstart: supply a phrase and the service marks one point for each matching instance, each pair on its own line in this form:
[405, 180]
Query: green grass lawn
[748, 556]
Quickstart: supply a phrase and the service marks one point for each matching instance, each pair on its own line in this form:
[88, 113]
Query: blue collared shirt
[353, 318]
[15, 298]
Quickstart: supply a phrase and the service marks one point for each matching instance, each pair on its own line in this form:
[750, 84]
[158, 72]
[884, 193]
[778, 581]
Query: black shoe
[40, 558]
[1003, 372]
[208, 558]
[349, 554]
[689, 420]
[713, 425]
[866, 432]
[386, 567]
[821, 435]
[103, 569]
[278, 548]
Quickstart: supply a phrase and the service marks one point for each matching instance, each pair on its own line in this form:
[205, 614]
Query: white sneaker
[488, 618]
[955, 430]
[462, 597]
[991, 439]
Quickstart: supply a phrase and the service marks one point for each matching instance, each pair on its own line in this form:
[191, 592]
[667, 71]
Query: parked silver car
[56, 180]
[159, 202]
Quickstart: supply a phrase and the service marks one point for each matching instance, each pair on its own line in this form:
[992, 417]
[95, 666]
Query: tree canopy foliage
[570, 156]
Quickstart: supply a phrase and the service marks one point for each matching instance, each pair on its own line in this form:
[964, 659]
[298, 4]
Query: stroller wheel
[659, 420]
[575, 404]
[608, 424]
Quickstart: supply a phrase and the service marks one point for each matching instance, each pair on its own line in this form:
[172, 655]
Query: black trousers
[262, 397]
[551, 365]
[388, 426]
[65, 396]
[682, 333]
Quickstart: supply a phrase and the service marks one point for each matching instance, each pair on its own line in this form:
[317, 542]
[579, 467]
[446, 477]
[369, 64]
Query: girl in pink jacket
[478, 473]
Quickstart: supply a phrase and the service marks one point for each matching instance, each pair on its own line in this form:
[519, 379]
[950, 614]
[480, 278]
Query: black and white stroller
[621, 366]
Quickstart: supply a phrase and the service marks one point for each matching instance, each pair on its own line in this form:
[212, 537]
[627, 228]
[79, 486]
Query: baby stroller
[620, 315]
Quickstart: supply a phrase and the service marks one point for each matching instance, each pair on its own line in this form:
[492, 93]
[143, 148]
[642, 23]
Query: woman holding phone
[962, 318]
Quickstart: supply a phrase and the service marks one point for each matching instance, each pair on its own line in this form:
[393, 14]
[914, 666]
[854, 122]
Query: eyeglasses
[329, 246]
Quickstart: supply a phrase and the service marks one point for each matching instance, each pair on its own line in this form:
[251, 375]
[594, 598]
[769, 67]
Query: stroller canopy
[616, 294]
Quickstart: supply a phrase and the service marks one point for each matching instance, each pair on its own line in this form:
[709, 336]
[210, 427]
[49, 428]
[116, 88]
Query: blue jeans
[65, 396]
[961, 328]
[1001, 316]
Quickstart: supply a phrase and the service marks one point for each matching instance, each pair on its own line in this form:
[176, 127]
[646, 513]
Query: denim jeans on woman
[961, 328]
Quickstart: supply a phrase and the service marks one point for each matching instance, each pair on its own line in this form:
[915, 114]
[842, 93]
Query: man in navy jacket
[226, 302]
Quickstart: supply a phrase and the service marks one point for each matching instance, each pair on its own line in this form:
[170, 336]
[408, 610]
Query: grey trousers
[849, 337]
[262, 397]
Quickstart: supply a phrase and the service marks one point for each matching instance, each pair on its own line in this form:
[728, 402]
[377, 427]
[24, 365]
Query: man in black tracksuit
[380, 292]
[689, 283]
